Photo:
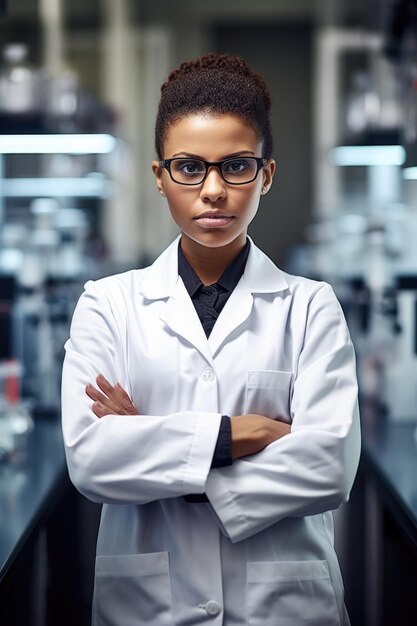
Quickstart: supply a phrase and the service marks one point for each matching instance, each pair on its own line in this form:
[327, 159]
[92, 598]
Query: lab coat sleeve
[125, 458]
[310, 470]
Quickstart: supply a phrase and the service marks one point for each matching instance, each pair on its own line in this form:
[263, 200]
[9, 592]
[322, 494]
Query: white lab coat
[261, 551]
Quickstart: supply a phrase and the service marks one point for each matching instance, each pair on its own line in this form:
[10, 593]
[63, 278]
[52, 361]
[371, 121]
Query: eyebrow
[200, 158]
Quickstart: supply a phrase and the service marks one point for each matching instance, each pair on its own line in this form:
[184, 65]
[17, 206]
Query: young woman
[210, 400]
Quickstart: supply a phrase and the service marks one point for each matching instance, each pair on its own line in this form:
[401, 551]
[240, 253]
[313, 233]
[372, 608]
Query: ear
[268, 175]
[157, 170]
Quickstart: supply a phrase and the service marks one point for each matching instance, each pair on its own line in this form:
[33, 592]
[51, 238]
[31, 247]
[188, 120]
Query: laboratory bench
[47, 537]
[48, 532]
[390, 455]
[380, 525]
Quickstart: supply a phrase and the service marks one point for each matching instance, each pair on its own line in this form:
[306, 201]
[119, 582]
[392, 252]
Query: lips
[214, 219]
[213, 215]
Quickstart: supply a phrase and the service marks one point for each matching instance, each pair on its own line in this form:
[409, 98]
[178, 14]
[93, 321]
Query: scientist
[209, 401]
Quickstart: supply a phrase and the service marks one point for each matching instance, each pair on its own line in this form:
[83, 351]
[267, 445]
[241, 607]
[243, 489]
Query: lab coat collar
[162, 276]
[163, 282]
[261, 275]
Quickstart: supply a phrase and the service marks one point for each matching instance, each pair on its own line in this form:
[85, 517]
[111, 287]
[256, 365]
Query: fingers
[109, 399]
[102, 403]
[124, 398]
[100, 410]
[94, 394]
[104, 385]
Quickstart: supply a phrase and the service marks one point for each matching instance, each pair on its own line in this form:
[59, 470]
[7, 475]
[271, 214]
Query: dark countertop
[28, 488]
[389, 452]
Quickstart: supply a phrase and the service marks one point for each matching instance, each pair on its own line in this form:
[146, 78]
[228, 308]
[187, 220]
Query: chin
[215, 239]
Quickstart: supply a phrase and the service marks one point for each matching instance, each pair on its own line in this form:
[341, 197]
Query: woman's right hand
[251, 433]
[109, 399]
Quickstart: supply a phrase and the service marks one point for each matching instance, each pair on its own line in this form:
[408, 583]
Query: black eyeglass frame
[260, 163]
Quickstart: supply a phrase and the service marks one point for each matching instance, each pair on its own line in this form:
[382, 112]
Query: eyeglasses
[236, 171]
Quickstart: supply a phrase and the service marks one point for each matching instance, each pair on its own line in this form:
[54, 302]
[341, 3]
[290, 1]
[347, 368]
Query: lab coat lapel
[261, 276]
[236, 310]
[177, 311]
[181, 318]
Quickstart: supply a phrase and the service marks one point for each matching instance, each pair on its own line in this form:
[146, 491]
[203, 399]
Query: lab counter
[47, 537]
[390, 454]
[380, 529]
[48, 532]
[27, 489]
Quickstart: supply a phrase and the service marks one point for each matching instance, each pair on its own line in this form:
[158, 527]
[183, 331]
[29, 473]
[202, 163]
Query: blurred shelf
[77, 143]
[57, 187]
[367, 155]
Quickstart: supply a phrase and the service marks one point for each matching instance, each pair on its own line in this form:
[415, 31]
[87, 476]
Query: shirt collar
[260, 276]
[190, 279]
[228, 280]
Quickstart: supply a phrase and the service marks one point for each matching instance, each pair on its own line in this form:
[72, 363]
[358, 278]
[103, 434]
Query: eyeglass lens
[192, 171]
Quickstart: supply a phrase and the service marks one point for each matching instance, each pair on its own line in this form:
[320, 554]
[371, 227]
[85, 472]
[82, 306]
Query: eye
[236, 166]
[189, 167]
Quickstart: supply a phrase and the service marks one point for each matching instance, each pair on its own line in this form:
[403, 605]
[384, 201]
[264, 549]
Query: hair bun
[216, 61]
[221, 62]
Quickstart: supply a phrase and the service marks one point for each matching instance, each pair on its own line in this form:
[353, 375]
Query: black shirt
[208, 301]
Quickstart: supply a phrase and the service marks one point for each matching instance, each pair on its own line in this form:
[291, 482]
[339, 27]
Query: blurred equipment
[33, 100]
[16, 423]
[373, 111]
[54, 142]
[20, 85]
[401, 364]
[364, 238]
[46, 270]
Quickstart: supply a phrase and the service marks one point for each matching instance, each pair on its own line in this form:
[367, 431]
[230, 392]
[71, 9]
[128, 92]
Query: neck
[210, 263]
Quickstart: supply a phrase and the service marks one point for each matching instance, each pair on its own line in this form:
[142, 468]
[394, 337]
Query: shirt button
[208, 374]
[212, 608]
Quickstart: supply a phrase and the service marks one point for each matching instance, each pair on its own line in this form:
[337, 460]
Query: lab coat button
[208, 374]
[212, 608]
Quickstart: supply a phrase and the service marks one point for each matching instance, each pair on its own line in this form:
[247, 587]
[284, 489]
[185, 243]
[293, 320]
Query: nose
[214, 187]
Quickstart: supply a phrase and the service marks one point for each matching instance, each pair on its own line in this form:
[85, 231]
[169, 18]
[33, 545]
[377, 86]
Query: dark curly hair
[218, 84]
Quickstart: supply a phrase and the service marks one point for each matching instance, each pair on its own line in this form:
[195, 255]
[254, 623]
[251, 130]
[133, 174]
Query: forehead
[211, 136]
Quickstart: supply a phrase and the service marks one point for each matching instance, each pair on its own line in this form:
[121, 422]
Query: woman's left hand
[111, 399]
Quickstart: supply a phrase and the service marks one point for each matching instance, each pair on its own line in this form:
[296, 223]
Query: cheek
[175, 213]
[174, 196]
[179, 204]
[248, 200]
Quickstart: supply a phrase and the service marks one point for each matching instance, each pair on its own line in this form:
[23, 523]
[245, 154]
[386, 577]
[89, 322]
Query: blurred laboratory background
[79, 86]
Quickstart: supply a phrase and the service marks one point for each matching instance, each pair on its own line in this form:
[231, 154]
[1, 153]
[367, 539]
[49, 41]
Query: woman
[210, 400]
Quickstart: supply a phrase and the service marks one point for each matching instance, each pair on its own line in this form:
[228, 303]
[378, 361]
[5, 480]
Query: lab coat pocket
[132, 590]
[289, 593]
[268, 393]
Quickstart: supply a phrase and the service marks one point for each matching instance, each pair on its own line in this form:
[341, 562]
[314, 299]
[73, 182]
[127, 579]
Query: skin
[208, 249]
[212, 138]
